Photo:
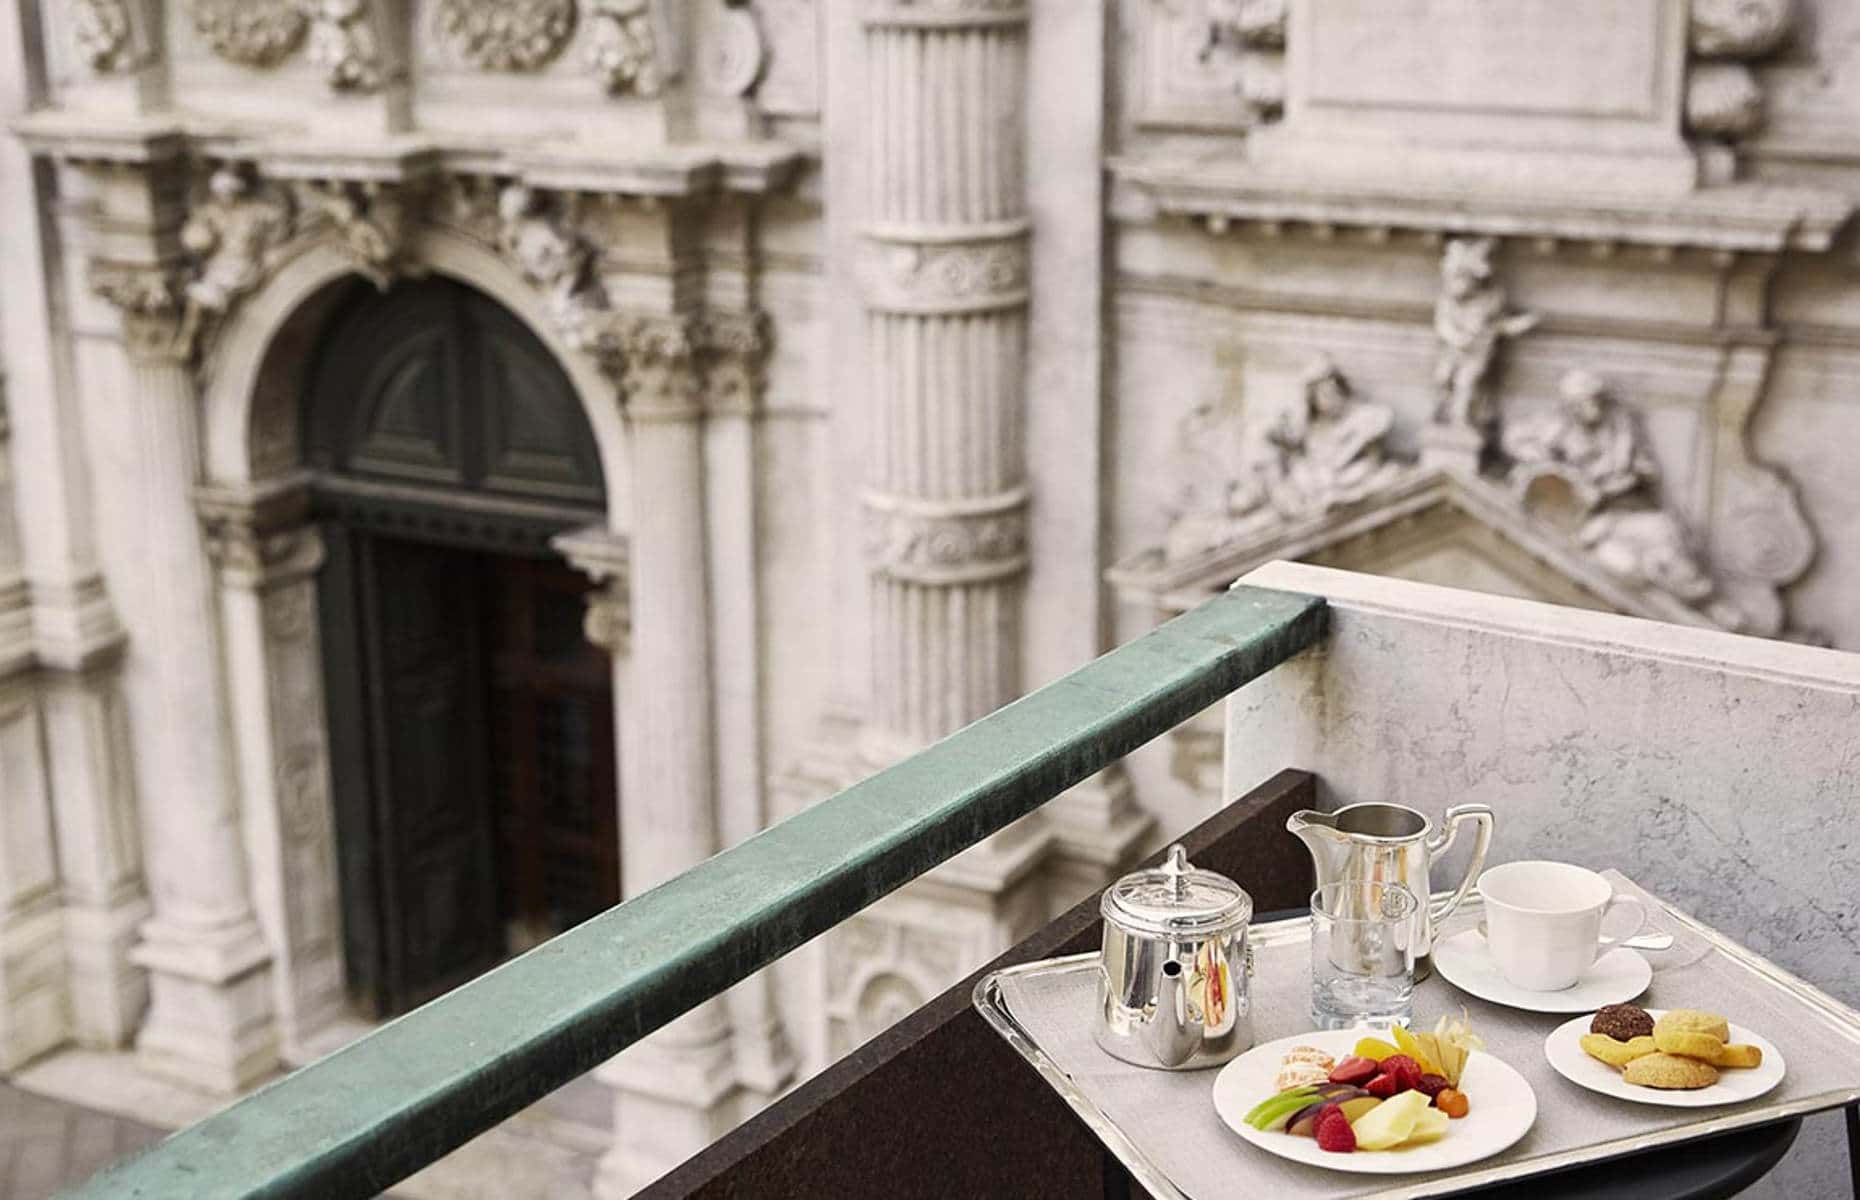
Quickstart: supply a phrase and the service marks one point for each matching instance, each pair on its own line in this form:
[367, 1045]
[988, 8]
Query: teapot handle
[1481, 815]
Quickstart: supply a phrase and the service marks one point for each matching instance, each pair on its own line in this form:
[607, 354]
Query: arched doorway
[470, 722]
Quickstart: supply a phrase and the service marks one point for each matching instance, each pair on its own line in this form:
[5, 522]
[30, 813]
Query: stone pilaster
[945, 285]
[210, 1019]
[677, 1090]
[267, 553]
[733, 349]
[34, 994]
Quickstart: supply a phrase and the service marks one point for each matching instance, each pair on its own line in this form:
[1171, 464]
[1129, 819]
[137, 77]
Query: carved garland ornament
[623, 47]
[947, 541]
[104, 35]
[972, 274]
[252, 33]
[505, 35]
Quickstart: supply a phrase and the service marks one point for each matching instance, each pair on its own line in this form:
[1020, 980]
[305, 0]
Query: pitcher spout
[1327, 844]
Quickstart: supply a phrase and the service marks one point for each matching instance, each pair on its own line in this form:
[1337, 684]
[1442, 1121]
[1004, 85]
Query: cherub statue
[1591, 437]
[1470, 319]
[230, 234]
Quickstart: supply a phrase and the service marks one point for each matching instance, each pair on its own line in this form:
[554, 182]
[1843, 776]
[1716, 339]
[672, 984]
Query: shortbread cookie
[1690, 1020]
[1670, 1071]
[1616, 1054]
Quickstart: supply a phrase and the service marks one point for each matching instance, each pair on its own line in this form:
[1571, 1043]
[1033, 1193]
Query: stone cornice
[1749, 217]
[673, 171]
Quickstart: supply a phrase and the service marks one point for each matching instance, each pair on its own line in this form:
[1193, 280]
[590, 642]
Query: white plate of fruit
[1352, 1102]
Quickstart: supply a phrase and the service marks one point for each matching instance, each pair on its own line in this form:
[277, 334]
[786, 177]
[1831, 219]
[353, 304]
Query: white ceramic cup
[1543, 921]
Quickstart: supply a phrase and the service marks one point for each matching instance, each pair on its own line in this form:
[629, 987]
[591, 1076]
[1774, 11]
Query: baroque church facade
[428, 421]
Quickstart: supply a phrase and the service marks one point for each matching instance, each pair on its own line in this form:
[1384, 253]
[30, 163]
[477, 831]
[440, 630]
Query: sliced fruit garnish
[1390, 1122]
[1354, 1069]
[1279, 1106]
[1411, 1046]
[1430, 1126]
[1374, 1049]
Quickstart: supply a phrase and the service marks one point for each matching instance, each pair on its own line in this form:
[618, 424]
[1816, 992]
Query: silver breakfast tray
[1162, 1126]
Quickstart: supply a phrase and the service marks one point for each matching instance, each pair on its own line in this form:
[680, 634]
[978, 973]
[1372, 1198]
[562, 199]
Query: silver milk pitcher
[1395, 844]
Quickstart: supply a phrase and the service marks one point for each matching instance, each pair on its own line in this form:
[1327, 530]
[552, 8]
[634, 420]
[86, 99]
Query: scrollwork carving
[343, 45]
[734, 350]
[1723, 100]
[505, 35]
[149, 300]
[920, 276]
[369, 220]
[623, 47]
[104, 35]
[657, 363]
[252, 33]
[538, 234]
[947, 542]
[1739, 28]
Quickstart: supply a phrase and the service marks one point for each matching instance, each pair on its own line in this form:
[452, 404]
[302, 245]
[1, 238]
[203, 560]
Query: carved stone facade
[1573, 319]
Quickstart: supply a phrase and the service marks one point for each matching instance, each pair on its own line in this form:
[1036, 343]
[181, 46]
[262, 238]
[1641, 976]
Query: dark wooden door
[470, 722]
[423, 616]
[553, 731]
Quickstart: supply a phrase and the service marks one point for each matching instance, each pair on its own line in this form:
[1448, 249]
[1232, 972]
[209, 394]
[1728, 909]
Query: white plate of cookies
[1681, 1058]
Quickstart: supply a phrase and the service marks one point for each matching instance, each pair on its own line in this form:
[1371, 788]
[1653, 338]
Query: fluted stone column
[209, 1021]
[677, 1090]
[945, 274]
[944, 280]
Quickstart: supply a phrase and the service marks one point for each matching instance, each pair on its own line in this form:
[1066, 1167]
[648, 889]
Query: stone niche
[1525, 95]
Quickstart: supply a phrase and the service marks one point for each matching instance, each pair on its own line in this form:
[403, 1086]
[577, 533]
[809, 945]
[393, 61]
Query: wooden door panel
[435, 827]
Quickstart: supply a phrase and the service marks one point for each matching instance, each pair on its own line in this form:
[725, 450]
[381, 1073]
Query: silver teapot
[1173, 973]
[1395, 844]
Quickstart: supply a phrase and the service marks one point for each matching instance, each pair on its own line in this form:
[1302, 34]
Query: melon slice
[1390, 1123]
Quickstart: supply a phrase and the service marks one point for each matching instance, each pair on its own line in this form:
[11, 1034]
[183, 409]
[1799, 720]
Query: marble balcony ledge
[1223, 189]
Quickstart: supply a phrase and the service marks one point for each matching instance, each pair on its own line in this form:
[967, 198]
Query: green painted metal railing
[371, 1114]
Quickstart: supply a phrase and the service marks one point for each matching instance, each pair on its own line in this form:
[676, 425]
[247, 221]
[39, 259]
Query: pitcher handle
[1480, 814]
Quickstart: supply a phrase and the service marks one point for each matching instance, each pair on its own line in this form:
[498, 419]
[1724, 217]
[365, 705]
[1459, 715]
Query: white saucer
[1615, 978]
[1564, 1050]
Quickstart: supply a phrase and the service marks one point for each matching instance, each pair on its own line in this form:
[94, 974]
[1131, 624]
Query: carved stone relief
[229, 236]
[1739, 28]
[1723, 97]
[941, 542]
[343, 45]
[738, 52]
[604, 557]
[505, 35]
[623, 47]
[370, 222]
[1210, 64]
[148, 297]
[879, 971]
[912, 276]
[537, 233]
[790, 84]
[1323, 450]
[104, 35]
[1472, 319]
[252, 33]
[733, 353]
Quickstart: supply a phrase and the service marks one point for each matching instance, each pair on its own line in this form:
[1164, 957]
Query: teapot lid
[1176, 898]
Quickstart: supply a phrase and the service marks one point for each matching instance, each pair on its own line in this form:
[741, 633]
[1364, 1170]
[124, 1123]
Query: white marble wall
[1718, 771]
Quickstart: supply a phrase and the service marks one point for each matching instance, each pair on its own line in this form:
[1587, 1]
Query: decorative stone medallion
[103, 35]
[505, 35]
[252, 33]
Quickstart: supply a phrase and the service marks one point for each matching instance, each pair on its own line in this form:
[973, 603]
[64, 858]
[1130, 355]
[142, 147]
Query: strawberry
[1354, 1070]
[1333, 1131]
[1406, 1071]
[1383, 1086]
[1432, 1084]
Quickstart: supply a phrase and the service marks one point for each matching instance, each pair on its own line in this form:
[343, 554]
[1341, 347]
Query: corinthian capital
[148, 298]
[734, 348]
[658, 367]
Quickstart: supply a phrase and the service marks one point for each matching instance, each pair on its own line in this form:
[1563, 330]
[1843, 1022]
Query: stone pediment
[1432, 524]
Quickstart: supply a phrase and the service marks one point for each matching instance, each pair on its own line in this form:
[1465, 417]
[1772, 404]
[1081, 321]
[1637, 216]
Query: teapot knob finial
[1175, 868]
